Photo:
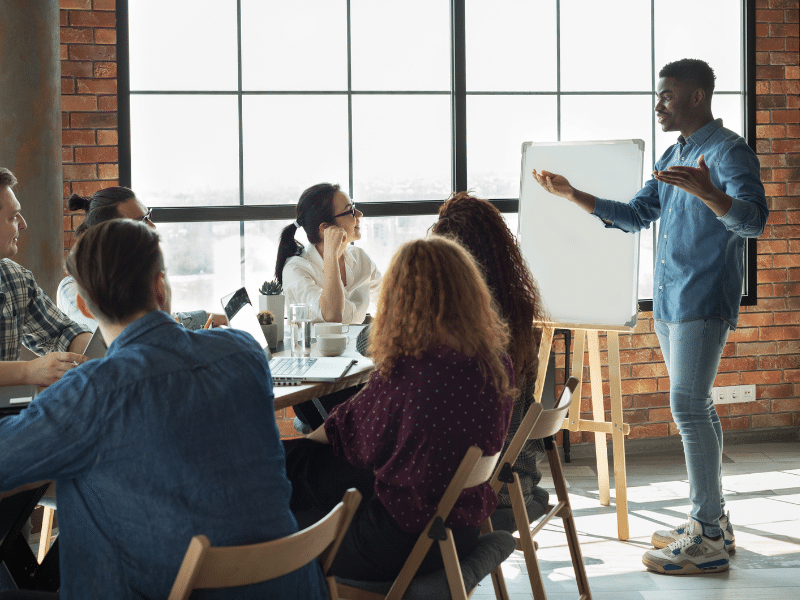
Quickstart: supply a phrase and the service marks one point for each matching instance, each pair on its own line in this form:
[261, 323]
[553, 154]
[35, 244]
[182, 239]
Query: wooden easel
[616, 428]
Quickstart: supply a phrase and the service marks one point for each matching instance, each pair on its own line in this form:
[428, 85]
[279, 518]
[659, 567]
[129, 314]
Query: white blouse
[303, 276]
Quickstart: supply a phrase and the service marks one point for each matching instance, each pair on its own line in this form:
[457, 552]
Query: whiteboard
[588, 274]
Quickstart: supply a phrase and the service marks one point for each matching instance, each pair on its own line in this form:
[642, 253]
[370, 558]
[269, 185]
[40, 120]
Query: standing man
[170, 435]
[706, 213]
[28, 317]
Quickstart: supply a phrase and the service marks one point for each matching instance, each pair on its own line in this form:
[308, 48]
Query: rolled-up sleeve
[45, 327]
[739, 174]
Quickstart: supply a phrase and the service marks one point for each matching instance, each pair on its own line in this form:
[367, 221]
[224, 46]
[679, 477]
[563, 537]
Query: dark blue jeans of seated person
[374, 548]
[309, 414]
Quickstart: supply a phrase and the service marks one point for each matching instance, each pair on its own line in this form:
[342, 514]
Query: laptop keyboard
[291, 366]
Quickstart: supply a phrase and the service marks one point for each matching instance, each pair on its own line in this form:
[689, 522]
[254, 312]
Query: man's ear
[82, 307]
[699, 96]
[160, 290]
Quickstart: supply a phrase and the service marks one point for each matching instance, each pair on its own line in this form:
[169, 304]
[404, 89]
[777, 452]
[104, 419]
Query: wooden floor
[762, 491]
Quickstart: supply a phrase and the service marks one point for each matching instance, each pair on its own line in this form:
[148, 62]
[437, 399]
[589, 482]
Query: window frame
[458, 95]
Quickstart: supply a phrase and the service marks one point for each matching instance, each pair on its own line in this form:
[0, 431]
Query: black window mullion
[459, 94]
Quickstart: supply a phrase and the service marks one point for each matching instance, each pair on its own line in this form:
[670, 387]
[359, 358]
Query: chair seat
[489, 553]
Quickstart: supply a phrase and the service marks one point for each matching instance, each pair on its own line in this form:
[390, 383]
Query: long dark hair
[314, 208]
[481, 229]
[114, 265]
[100, 206]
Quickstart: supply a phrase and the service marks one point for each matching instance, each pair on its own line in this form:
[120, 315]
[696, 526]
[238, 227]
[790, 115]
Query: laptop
[17, 396]
[96, 348]
[286, 370]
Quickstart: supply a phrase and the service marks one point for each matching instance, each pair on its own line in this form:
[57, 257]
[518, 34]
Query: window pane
[294, 45]
[176, 46]
[605, 46]
[400, 46]
[185, 150]
[201, 273]
[497, 126]
[261, 240]
[511, 45]
[401, 148]
[713, 34]
[291, 143]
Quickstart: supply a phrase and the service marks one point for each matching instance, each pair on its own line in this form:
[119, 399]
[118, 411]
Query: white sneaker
[663, 537]
[690, 554]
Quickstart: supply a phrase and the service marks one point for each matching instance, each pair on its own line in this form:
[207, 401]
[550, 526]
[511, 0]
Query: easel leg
[599, 414]
[617, 435]
[545, 347]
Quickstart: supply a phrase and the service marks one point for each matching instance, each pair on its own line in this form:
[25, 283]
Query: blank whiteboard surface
[588, 274]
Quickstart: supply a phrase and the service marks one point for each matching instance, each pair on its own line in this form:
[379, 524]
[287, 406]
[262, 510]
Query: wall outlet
[731, 394]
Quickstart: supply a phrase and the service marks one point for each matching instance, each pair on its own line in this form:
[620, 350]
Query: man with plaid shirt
[27, 316]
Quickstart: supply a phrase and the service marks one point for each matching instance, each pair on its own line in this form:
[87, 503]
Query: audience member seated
[481, 229]
[442, 384]
[336, 280]
[172, 434]
[29, 317]
[104, 205]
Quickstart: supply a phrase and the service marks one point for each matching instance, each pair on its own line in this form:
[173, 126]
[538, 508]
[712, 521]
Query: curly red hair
[432, 294]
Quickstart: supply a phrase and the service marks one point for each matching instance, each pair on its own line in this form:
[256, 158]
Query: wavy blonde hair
[433, 294]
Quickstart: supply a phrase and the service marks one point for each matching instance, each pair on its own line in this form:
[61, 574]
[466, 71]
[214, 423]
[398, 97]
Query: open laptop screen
[242, 315]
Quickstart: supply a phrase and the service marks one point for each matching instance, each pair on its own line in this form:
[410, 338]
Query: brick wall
[765, 349]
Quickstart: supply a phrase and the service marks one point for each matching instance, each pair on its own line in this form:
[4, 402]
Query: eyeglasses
[146, 217]
[350, 211]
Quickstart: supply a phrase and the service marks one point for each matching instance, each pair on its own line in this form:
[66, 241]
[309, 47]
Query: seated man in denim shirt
[706, 213]
[172, 434]
[27, 316]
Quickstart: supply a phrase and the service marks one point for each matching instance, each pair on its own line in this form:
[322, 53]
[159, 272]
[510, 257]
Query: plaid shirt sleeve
[29, 317]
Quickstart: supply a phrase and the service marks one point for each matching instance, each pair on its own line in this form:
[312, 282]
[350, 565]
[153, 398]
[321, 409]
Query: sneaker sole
[662, 542]
[687, 567]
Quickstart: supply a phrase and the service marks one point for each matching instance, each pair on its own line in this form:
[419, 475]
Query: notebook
[285, 370]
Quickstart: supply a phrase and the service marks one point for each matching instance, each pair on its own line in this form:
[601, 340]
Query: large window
[236, 106]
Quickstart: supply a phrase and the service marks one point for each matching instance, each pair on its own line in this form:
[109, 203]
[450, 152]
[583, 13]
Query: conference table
[289, 395]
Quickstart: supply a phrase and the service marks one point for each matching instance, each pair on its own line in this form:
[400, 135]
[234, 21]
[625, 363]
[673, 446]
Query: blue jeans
[692, 351]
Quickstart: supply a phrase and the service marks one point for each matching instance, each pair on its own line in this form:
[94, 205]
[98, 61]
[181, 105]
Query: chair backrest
[537, 423]
[206, 567]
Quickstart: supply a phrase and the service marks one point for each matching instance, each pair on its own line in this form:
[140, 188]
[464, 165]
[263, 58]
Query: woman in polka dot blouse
[442, 384]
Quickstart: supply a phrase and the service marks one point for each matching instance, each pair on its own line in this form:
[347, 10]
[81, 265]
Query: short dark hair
[691, 70]
[314, 208]
[7, 178]
[100, 206]
[114, 264]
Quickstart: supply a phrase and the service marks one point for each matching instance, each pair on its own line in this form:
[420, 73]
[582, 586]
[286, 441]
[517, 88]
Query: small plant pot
[274, 304]
[271, 333]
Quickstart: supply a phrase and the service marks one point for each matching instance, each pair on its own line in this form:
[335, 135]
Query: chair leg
[47, 531]
[452, 567]
[525, 539]
[498, 580]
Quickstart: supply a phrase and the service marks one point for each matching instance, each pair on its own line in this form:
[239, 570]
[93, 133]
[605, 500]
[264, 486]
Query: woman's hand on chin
[334, 237]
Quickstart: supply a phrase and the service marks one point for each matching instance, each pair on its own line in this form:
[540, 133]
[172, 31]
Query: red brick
[775, 189]
[785, 405]
[782, 4]
[636, 356]
[75, 4]
[770, 45]
[105, 36]
[792, 375]
[770, 131]
[92, 52]
[743, 334]
[78, 103]
[779, 333]
[765, 101]
[66, 154]
[107, 137]
[67, 85]
[723, 379]
[63, 17]
[76, 69]
[748, 408]
[738, 363]
[649, 431]
[650, 400]
[78, 172]
[93, 120]
[783, 361]
[92, 19]
[96, 154]
[105, 70]
[87, 188]
[638, 386]
[735, 423]
[108, 103]
[786, 318]
[785, 116]
[657, 415]
[759, 377]
[78, 137]
[786, 260]
[788, 30]
[97, 86]
[786, 289]
[785, 87]
[77, 35]
[108, 171]
[106, 5]
[785, 146]
[769, 16]
[763, 116]
[779, 420]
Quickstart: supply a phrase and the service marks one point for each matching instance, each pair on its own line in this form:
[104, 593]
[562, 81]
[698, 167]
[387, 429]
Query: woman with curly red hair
[480, 228]
[442, 384]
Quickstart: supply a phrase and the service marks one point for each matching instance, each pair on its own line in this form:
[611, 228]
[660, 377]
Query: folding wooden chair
[207, 567]
[542, 424]
[489, 554]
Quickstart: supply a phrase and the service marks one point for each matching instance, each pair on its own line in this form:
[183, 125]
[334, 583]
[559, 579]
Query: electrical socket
[731, 394]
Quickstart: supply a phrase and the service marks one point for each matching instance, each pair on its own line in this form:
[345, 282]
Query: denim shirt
[171, 435]
[699, 262]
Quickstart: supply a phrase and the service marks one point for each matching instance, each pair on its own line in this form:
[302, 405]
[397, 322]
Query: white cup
[331, 344]
[323, 328]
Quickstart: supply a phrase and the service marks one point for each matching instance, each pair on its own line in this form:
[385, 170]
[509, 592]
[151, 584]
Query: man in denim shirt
[172, 434]
[706, 213]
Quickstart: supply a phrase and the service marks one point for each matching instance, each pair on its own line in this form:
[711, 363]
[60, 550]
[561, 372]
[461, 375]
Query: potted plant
[269, 327]
[271, 298]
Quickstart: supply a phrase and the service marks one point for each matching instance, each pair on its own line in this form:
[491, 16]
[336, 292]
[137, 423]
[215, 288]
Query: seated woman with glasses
[442, 383]
[104, 205]
[481, 229]
[338, 281]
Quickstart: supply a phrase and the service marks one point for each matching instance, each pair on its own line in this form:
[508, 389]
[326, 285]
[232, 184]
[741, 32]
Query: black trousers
[375, 547]
[309, 414]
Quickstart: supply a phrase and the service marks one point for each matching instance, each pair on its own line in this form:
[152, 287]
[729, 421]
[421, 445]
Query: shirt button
[661, 287]
[665, 236]
[662, 262]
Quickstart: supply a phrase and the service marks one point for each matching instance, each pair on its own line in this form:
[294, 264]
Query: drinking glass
[300, 326]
